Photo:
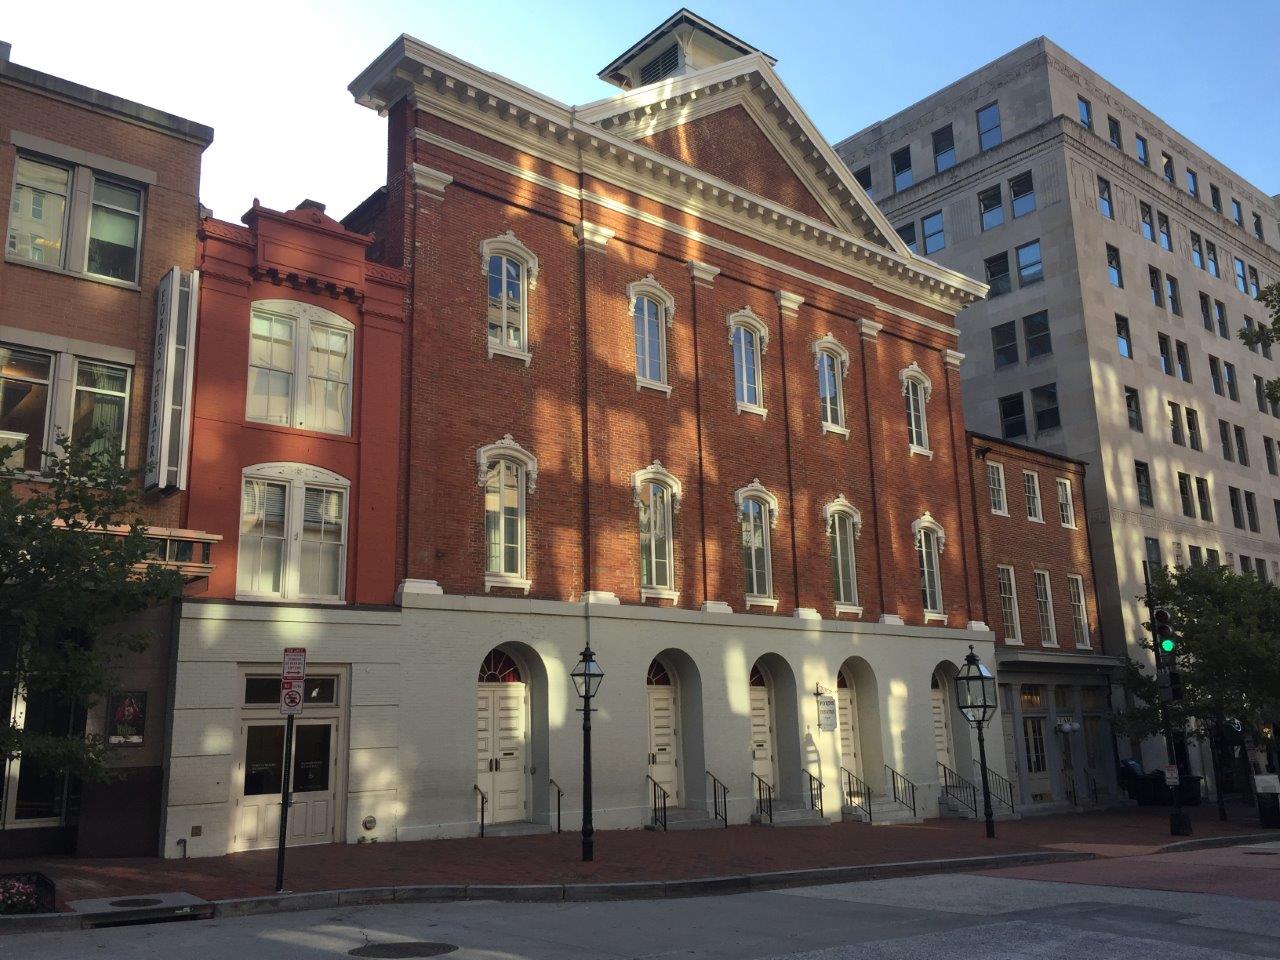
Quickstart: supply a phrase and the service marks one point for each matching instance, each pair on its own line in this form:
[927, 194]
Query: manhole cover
[136, 902]
[411, 948]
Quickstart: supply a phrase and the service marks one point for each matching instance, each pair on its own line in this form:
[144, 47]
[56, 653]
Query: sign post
[293, 679]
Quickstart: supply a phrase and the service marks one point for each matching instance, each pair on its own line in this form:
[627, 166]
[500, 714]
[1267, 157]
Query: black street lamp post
[586, 680]
[976, 698]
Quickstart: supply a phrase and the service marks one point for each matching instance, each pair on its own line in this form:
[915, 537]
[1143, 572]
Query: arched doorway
[664, 729]
[943, 743]
[502, 737]
[764, 744]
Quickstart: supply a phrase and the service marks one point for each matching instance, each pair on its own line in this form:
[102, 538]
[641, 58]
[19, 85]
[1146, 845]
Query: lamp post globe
[976, 700]
[587, 676]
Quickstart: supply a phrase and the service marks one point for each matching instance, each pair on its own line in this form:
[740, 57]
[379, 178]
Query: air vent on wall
[660, 66]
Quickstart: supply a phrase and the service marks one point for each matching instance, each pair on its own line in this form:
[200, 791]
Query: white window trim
[926, 522]
[828, 345]
[747, 318]
[1075, 578]
[841, 506]
[303, 315]
[508, 449]
[651, 288]
[656, 473]
[1016, 638]
[509, 245]
[298, 476]
[1052, 639]
[1065, 483]
[1004, 488]
[1039, 496]
[907, 375]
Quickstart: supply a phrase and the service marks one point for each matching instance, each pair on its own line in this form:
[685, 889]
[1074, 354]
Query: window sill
[1012, 641]
[930, 617]
[836, 429]
[642, 383]
[285, 428]
[760, 412]
[515, 353]
[63, 271]
[999, 513]
[275, 598]
[1049, 644]
[506, 581]
[1035, 519]
[851, 609]
[769, 603]
[659, 593]
[916, 451]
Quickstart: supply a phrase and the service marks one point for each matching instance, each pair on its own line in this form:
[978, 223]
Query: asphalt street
[970, 916]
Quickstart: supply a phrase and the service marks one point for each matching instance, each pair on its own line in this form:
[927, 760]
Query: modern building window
[1085, 109]
[1248, 327]
[933, 233]
[1237, 507]
[1104, 199]
[1251, 511]
[1031, 489]
[1176, 433]
[1142, 477]
[997, 271]
[1241, 284]
[1172, 294]
[1242, 446]
[1266, 344]
[1257, 228]
[652, 308]
[1185, 494]
[916, 389]
[1066, 506]
[1224, 436]
[908, 234]
[1166, 166]
[1254, 286]
[832, 362]
[1113, 133]
[1197, 251]
[1030, 267]
[991, 207]
[989, 126]
[1162, 227]
[1237, 213]
[757, 512]
[1013, 417]
[1215, 375]
[1184, 361]
[293, 521]
[1193, 430]
[1009, 603]
[1140, 149]
[1157, 289]
[1079, 619]
[1211, 256]
[1114, 271]
[653, 499]
[1229, 375]
[863, 176]
[1206, 315]
[1269, 448]
[749, 338]
[1151, 561]
[1004, 344]
[100, 403]
[286, 337]
[1220, 317]
[1022, 194]
[1044, 609]
[511, 272]
[1133, 406]
[1203, 498]
[1260, 390]
[1215, 198]
[25, 380]
[1212, 557]
[944, 149]
[1147, 222]
[843, 526]
[1260, 568]
[1166, 354]
[900, 162]
[1124, 343]
[45, 226]
[996, 489]
[929, 540]
[1044, 404]
[1035, 329]
[1193, 183]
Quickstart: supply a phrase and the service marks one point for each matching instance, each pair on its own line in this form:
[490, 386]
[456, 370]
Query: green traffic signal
[1167, 645]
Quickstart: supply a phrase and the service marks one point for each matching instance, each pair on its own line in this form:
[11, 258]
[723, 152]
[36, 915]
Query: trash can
[1268, 792]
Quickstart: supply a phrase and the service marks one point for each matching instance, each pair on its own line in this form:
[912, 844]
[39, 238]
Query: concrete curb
[1209, 843]
[573, 892]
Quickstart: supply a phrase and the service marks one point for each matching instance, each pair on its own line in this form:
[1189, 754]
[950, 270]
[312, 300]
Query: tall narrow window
[916, 389]
[1184, 361]
[1030, 267]
[1123, 342]
[507, 473]
[944, 149]
[287, 337]
[1211, 255]
[1176, 433]
[1147, 222]
[511, 273]
[1166, 237]
[1044, 404]
[1140, 149]
[1079, 618]
[832, 362]
[929, 540]
[933, 232]
[1113, 133]
[991, 207]
[1166, 168]
[654, 501]
[997, 271]
[25, 379]
[1215, 198]
[1197, 251]
[757, 510]
[989, 126]
[1009, 603]
[844, 524]
[100, 405]
[1157, 290]
[1142, 478]
[900, 161]
[651, 311]
[1114, 272]
[1044, 609]
[1193, 183]
[1215, 375]
[37, 219]
[1004, 344]
[749, 337]
[1173, 295]
[1085, 109]
[1241, 284]
[1237, 212]
[1104, 199]
[1186, 496]
[1166, 354]
[1066, 506]
[1022, 194]
[1031, 490]
[996, 490]
[1036, 330]
[115, 225]
[1204, 499]
[1133, 406]
[1013, 417]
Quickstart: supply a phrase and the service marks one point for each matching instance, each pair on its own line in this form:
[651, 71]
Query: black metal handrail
[857, 793]
[816, 788]
[1001, 787]
[719, 799]
[559, 796]
[1092, 782]
[484, 802]
[901, 789]
[764, 797]
[658, 798]
[958, 788]
[1069, 784]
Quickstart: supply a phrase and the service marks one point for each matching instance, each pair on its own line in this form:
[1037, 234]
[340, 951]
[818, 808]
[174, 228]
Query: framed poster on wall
[126, 719]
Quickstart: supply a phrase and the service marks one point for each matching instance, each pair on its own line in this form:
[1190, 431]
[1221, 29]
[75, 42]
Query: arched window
[844, 526]
[293, 533]
[916, 388]
[749, 338]
[832, 361]
[929, 541]
[657, 497]
[652, 310]
[657, 675]
[758, 513]
[507, 472]
[300, 362]
[511, 272]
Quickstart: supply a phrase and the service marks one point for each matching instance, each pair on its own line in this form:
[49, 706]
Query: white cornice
[702, 272]
[593, 235]
[433, 181]
[788, 302]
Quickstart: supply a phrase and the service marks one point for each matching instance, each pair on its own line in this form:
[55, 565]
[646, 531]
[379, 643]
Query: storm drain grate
[404, 949]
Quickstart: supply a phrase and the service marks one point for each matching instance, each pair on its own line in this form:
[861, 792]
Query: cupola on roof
[681, 44]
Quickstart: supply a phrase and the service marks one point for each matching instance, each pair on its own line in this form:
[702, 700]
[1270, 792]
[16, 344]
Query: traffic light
[1162, 625]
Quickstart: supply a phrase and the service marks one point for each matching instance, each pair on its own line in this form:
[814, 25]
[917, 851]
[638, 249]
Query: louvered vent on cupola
[663, 65]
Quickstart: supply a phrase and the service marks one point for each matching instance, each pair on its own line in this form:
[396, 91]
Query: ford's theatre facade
[667, 383]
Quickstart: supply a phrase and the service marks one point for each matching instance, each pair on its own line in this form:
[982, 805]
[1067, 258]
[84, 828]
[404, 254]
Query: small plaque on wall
[126, 719]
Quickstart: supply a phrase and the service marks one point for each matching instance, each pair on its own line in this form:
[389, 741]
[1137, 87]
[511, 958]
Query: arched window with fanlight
[511, 273]
[844, 526]
[758, 514]
[749, 337]
[652, 310]
[508, 473]
[916, 389]
[656, 492]
[929, 541]
[832, 362]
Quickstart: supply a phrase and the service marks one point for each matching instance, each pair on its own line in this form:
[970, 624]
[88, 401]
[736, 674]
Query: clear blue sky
[271, 77]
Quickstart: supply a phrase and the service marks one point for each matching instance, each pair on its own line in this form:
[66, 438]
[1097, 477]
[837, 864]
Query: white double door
[942, 728]
[850, 747]
[502, 751]
[763, 742]
[664, 741]
[314, 767]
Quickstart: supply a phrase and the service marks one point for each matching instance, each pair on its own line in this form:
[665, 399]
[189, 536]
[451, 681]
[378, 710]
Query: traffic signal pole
[1165, 646]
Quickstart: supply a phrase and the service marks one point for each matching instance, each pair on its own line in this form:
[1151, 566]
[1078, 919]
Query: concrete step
[687, 818]
[518, 828]
[791, 815]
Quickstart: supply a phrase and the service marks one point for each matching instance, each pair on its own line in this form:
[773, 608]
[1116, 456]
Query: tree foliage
[68, 588]
[1269, 334]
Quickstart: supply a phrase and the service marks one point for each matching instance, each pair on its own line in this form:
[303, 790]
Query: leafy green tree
[68, 588]
[1268, 335]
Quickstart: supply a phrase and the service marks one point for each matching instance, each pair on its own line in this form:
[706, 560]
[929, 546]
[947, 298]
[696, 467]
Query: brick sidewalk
[621, 855]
